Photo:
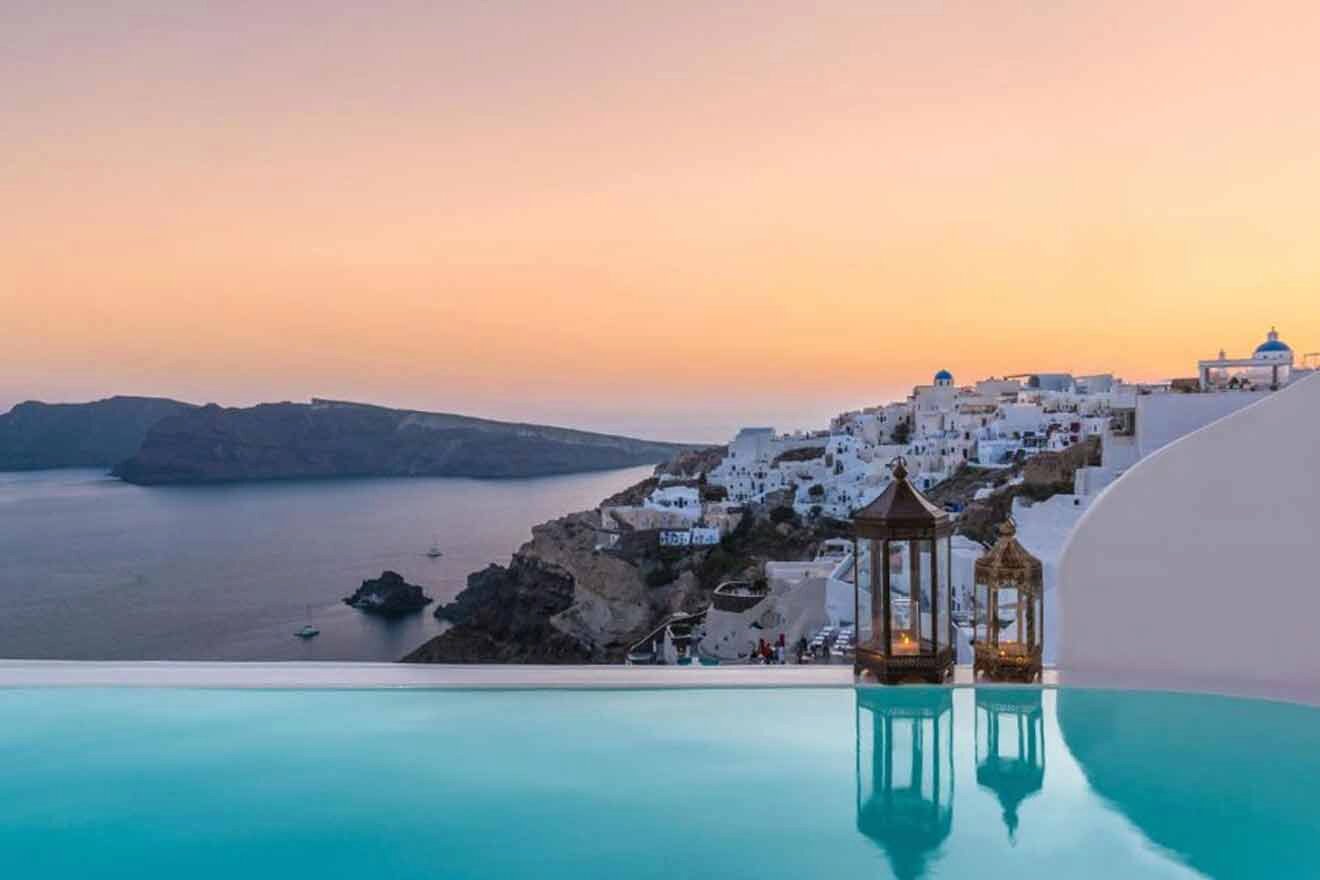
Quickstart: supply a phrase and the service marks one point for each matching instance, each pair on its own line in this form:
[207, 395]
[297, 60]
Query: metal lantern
[1010, 747]
[905, 773]
[902, 596]
[1008, 611]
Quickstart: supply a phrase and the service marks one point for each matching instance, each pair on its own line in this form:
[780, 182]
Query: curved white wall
[1201, 565]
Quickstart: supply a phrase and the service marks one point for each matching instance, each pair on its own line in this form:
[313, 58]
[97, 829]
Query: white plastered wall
[1201, 565]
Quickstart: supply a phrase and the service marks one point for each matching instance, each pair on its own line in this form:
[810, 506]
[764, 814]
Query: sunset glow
[664, 220]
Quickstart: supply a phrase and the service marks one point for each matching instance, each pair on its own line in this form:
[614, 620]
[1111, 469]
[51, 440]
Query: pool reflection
[905, 773]
[1010, 747]
[1162, 784]
[1230, 786]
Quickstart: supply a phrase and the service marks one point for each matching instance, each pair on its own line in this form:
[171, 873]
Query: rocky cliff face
[1058, 468]
[503, 617]
[563, 601]
[1043, 476]
[328, 439]
[36, 435]
[559, 601]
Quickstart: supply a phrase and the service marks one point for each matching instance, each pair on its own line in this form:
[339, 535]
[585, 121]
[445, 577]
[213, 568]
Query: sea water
[94, 568]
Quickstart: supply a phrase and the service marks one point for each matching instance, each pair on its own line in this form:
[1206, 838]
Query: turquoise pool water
[719, 784]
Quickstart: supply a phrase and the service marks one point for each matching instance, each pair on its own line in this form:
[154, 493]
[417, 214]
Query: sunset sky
[666, 219]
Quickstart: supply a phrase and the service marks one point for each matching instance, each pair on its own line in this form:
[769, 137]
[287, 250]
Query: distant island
[38, 436]
[326, 438]
[152, 441]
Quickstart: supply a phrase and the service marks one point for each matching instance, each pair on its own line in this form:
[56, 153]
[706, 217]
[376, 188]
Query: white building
[994, 423]
[1146, 420]
[752, 445]
[683, 500]
[1270, 366]
[1199, 564]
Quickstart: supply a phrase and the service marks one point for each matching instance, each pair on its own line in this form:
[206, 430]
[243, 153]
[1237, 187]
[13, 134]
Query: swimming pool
[722, 783]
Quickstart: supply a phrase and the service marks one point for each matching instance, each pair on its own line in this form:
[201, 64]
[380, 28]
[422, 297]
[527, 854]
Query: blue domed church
[1270, 366]
[1274, 349]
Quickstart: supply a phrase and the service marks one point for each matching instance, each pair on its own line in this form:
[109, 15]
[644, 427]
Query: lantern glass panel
[865, 591]
[910, 595]
[925, 557]
[1038, 640]
[944, 600]
[900, 567]
[1011, 617]
[982, 612]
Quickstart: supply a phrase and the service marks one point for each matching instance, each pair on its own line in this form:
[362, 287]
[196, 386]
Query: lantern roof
[907, 827]
[1009, 559]
[901, 512]
[1012, 781]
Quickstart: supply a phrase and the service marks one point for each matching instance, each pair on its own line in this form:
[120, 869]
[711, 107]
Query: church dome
[1273, 345]
[944, 377]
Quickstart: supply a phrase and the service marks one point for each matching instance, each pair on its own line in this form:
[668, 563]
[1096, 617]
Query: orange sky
[664, 219]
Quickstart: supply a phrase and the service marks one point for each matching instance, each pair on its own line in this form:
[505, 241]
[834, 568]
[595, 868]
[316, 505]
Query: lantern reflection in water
[1010, 747]
[905, 773]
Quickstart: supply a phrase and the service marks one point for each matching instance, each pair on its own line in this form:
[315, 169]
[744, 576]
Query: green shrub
[661, 576]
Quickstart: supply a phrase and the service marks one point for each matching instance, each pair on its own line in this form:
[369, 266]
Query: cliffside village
[992, 425]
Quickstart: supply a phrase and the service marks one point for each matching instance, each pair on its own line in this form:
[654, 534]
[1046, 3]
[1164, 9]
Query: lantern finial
[899, 468]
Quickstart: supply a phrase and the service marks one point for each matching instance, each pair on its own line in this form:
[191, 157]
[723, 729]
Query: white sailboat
[308, 631]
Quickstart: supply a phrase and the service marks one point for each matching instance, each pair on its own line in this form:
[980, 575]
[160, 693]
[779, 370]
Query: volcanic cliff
[331, 439]
[35, 435]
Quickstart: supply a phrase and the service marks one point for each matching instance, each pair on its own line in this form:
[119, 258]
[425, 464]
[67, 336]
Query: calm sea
[95, 569]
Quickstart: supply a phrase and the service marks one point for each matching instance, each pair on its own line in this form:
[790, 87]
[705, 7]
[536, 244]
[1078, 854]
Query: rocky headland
[562, 600]
[388, 595]
[36, 435]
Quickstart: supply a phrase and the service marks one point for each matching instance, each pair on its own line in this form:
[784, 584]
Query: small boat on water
[434, 552]
[308, 630]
